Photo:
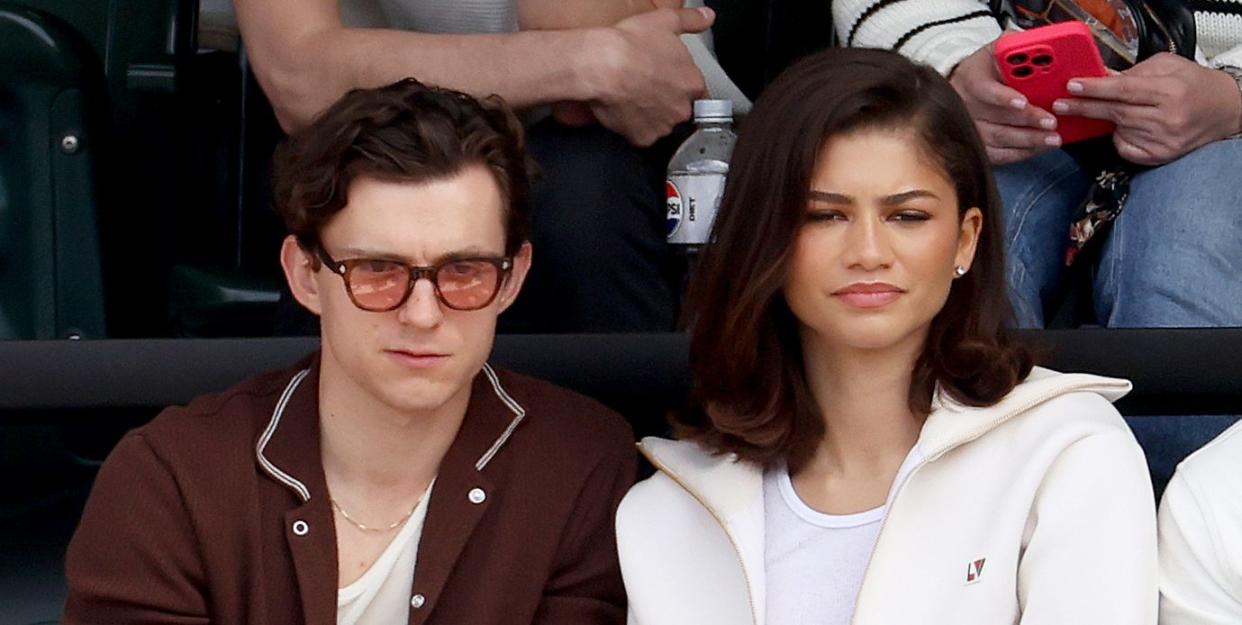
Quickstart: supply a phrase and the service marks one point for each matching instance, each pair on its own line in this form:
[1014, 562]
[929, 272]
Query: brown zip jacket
[218, 512]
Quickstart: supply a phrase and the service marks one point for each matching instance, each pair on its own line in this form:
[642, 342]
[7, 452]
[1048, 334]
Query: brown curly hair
[408, 132]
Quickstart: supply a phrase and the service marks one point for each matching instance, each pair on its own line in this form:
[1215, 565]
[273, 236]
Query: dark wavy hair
[408, 132]
[749, 394]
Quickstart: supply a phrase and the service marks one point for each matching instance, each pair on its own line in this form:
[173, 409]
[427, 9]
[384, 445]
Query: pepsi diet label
[692, 201]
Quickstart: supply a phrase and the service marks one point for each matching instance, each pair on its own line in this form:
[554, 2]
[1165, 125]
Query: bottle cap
[705, 110]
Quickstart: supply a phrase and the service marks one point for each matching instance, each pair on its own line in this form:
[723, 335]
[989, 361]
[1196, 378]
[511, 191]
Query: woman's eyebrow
[888, 200]
[906, 196]
[830, 197]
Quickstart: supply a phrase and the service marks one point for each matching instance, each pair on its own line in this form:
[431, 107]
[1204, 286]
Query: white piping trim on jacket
[518, 411]
[272, 470]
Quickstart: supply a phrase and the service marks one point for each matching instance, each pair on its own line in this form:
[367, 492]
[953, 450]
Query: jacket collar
[732, 491]
[727, 486]
[288, 452]
[951, 424]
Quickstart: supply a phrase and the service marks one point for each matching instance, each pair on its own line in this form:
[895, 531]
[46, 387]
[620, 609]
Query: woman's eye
[910, 216]
[825, 215]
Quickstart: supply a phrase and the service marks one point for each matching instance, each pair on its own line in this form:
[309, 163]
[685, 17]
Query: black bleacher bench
[1175, 371]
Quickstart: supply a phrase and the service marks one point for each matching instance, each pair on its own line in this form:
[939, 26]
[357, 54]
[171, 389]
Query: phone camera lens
[1017, 59]
[1023, 72]
[1042, 60]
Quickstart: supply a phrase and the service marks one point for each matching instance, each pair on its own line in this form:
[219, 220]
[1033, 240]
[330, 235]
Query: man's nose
[422, 308]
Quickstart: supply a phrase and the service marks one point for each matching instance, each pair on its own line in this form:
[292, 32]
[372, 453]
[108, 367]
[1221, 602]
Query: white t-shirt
[815, 562]
[382, 595]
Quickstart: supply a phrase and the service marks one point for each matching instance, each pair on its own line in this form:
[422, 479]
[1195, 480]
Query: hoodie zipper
[940, 452]
[737, 551]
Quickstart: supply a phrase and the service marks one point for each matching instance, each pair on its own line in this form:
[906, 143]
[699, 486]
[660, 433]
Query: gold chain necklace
[377, 530]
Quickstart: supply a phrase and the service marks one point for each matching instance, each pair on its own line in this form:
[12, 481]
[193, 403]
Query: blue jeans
[1172, 259]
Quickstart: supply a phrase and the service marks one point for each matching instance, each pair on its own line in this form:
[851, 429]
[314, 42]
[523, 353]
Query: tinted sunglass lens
[378, 285]
[468, 284]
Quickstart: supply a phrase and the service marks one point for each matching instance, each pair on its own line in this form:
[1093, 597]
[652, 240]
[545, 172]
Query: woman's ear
[968, 237]
[300, 272]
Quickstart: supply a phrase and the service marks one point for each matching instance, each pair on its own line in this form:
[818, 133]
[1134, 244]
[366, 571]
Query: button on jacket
[218, 512]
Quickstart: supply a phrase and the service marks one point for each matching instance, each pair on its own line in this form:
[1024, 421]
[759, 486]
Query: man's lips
[417, 359]
[869, 294]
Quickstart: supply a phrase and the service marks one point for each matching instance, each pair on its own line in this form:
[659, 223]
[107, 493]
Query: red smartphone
[1040, 61]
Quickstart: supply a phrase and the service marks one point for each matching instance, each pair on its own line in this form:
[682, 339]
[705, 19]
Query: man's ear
[521, 266]
[300, 272]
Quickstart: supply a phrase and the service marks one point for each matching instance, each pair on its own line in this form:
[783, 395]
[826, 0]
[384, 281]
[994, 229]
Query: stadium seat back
[51, 89]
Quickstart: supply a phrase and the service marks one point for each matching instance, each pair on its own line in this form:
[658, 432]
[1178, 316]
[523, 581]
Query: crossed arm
[622, 58]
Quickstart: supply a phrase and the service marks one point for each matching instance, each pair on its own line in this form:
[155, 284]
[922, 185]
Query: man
[394, 476]
[617, 78]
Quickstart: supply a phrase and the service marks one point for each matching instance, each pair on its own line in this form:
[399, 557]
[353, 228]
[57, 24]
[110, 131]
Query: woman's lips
[416, 359]
[869, 294]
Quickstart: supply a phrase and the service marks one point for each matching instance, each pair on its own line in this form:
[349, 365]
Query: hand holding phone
[1040, 62]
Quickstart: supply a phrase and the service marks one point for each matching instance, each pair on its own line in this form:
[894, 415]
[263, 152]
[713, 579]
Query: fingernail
[1048, 123]
[707, 12]
[1074, 86]
[1052, 140]
[1060, 107]
[1018, 103]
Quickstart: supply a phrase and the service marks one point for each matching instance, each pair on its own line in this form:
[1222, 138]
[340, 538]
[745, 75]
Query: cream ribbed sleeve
[939, 33]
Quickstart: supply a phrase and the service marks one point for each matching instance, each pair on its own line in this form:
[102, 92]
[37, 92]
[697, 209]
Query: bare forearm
[305, 73]
[562, 14]
[637, 72]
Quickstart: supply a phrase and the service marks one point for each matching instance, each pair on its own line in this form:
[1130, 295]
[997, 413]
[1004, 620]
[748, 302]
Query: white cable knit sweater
[941, 33]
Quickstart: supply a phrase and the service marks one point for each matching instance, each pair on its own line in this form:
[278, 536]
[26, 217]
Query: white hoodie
[1037, 510]
[1201, 536]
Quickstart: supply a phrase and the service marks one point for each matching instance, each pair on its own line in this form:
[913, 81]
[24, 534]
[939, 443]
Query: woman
[865, 445]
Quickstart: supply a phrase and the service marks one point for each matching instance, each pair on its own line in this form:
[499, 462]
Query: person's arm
[576, 14]
[566, 14]
[955, 37]
[133, 558]
[939, 33]
[1091, 553]
[585, 587]
[637, 70]
[1200, 581]
[1164, 107]
[1012, 128]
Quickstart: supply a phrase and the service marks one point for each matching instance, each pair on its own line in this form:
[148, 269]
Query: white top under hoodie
[1035, 511]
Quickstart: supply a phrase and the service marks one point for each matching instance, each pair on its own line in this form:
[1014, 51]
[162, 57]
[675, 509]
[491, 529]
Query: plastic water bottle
[696, 175]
